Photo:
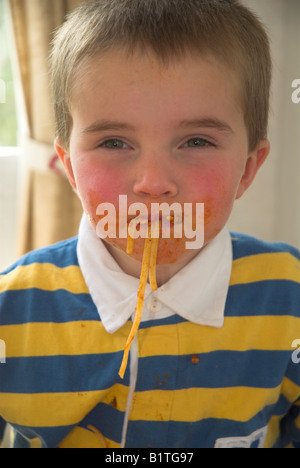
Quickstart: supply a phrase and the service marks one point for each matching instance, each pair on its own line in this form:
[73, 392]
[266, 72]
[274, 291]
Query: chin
[171, 251]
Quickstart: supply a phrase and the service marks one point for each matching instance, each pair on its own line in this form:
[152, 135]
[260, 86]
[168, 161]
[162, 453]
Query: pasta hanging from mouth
[148, 267]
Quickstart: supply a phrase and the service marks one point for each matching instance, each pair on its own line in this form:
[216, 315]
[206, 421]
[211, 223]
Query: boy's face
[160, 134]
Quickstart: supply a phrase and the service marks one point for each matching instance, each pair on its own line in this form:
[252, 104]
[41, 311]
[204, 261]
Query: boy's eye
[196, 143]
[114, 144]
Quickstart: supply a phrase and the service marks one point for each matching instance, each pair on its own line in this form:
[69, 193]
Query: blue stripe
[44, 306]
[61, 254]
[274, 297]
[2, 428]
[51, 374]
[292, 371]
[107, 419]
[243, 244]
[50, 437]
[218, 369]
[199, 434]
[100, 371]
[289, 430]
[172, 320]
[282, 406]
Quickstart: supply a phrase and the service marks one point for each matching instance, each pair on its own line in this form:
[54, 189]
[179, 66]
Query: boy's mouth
[156, 221]
[164, 220]
[153, 218]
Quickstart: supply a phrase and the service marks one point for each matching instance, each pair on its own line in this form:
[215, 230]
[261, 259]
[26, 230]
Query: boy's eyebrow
[206, 122]
[102, 125]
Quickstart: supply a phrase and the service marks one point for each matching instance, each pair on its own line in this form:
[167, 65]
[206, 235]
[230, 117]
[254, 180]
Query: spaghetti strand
[152, 266]
[148, 267]
[130, 242]
[139, 305]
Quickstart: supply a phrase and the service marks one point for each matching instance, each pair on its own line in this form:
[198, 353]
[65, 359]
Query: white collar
[197, 292]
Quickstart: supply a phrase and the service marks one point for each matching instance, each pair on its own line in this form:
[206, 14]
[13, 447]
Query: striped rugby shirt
[197, 386]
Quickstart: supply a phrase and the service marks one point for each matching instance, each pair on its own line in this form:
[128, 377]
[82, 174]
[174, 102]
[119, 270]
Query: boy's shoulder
[60, 254]
[272, 264]
[44, 268]
[39, 285]
[265, 279]
[245, 245]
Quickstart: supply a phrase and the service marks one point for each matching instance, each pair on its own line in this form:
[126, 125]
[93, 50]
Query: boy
[161, 101]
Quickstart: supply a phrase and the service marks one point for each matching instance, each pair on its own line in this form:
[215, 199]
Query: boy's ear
[254, 161]
[65, 159]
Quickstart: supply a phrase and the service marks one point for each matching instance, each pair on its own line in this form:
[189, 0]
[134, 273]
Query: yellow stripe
[53, 339]
[268, 266]
[193, 404]
[48, 409]
[57, 409]
[84, 438]
[290, 390]
[90, 337]
[266, 333]
[45, 276]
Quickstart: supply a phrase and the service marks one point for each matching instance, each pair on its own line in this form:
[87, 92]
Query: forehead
[116, 79]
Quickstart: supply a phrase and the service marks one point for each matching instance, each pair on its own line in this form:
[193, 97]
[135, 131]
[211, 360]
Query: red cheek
[91, 201]
[93, 198]
[216, 198]
[98, 184]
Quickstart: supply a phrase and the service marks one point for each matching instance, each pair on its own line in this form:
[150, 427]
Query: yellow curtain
[50, 211]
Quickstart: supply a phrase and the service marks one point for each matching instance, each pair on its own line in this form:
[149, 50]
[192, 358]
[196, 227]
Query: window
[9, 150]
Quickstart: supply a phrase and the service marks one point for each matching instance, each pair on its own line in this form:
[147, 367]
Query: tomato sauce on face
[161, 134]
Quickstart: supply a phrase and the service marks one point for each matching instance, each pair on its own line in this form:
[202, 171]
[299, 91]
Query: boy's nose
[155, 180]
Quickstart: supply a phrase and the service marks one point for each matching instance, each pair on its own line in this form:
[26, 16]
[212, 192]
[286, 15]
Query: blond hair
[224, 28]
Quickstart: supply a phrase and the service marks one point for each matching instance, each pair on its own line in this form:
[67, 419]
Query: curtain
[50, 211]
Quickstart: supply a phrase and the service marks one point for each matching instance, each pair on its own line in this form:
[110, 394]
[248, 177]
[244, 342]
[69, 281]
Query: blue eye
[114, 144]
[197, 142]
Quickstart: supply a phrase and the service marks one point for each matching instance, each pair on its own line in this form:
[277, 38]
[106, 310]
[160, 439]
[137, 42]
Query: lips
[157, 226]
[154, 217]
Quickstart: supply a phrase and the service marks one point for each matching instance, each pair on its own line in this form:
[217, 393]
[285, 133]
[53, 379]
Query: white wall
[9, 197]
[270, 209]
